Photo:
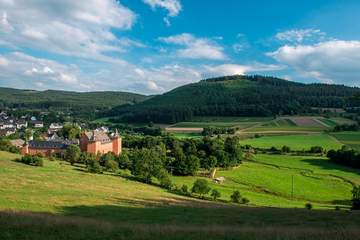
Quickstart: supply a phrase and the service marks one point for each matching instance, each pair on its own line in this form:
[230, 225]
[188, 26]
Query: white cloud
[196, 48]
[24, 71]
[241, 43]
[300, 35]
[173, 7]
[3, 62]
[5, 26]
[66, 27]
[237, 69]
[331, 61]
[238, 47]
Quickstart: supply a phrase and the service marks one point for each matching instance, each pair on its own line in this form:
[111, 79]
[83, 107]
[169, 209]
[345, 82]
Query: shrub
[236, 197]
[184, 189]
[32, 160]
[201, 187]
[316, 149]
[274, 149]
[308, 206]
[215, 194]
[164, 179]
[111, 165]
[356, 198]
[245, 200]
[72, 154]
[124, 161]
[93, 166]
[285, 149]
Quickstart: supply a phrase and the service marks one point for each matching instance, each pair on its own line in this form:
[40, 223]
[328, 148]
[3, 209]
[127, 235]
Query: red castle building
[92, 142]
[100, 142]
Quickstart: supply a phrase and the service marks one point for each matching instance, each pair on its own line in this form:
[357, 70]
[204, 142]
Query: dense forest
[238, 96]
[66, 101]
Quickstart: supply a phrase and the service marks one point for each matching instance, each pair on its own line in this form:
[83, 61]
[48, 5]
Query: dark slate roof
[47, 145]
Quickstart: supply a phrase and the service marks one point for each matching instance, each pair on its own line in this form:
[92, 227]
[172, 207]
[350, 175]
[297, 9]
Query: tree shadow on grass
[41, 226]
[327, 165]
[178, 211]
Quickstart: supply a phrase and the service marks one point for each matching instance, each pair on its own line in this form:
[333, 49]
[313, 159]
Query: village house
[100, 142]
[6, 124]
[37, 124]
[7, 132]
[55, 127]
[45, 148]
[21, 123]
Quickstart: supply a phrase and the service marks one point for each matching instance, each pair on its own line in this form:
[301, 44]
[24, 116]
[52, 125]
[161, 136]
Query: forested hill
[238, 96]
[76, 101]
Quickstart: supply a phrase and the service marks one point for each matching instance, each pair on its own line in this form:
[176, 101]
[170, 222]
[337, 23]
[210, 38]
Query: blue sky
[151, 46]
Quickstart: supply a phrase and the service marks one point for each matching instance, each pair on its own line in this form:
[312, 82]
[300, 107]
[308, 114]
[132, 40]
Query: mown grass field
[59, 201]
[295, 142]
[351, 139]
[223, 122]
[267, 181]
[187, 135]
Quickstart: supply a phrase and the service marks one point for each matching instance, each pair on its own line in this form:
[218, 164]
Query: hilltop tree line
[238, 96]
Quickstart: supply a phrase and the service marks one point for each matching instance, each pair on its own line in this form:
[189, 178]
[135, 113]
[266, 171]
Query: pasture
[351, 139]
[295, 142]
[59, 201]
[267, 181]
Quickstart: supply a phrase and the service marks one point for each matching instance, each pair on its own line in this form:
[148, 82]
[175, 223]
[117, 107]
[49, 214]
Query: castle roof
[47, 145]
[97, 136]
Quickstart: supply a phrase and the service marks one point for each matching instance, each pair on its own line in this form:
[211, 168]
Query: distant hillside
[237, 96]
[75, 101]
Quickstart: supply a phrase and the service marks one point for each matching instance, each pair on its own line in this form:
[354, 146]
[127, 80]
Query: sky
[152, 46]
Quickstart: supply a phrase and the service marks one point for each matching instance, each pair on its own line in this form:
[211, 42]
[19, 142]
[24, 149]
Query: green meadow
[351, 139]
[295, 142]
[58, 197]
[287, 181]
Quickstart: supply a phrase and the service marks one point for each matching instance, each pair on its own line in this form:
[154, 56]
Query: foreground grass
[245, 224]
[59, 185]
[59, 202]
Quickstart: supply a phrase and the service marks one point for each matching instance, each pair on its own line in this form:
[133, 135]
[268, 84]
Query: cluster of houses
[9, 125]
[95, 141]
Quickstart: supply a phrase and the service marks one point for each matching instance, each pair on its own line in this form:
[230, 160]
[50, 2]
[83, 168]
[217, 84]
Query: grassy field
[58, 185]
[187, 135]
[295, 142]
[351, 139]
[223, 122]
[267, 181]
[68, 203]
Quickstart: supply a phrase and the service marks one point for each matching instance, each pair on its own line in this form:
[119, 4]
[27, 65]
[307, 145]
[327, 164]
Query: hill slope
[66, 202]
[237, 96]
[65, 100]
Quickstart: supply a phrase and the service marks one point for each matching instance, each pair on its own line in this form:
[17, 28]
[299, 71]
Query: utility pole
[292, 186]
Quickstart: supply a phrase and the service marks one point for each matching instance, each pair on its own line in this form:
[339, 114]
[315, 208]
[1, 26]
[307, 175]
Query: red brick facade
[99, 142]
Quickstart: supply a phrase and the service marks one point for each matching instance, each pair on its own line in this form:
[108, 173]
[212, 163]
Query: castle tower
[117, 143]
[25, 149]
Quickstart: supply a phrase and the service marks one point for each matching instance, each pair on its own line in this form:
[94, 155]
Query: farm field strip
[295, 142]
[351, 139]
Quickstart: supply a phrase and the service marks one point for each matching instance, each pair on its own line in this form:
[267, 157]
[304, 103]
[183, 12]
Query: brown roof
[17, 142]
[97, 136]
